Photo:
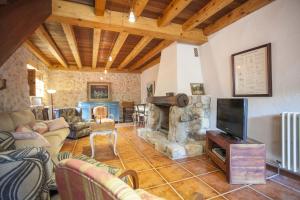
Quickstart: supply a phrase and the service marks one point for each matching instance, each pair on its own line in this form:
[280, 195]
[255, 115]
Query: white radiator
[290, 131]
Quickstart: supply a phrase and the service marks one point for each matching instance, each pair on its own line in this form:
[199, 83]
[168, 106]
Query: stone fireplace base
[187, 128]
[173, 150]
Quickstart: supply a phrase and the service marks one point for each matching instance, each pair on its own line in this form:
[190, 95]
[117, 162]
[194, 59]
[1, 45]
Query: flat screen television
[232, 117]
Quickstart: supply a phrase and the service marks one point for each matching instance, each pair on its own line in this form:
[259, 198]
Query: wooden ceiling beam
[139, 6]
[82, 15]
[100, 7]
[90, 69]
[33, 49]
[206, 12]
[96, 43]
[236, 14]
[150, 64]
[150, 54]
[46, 38]
[117, 47]
[136, 50]
[172, 10]
[70, 35]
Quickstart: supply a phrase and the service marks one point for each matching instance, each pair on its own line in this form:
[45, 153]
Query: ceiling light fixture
[105, 71]
[101, 78]
[110, 58]
[131, 17]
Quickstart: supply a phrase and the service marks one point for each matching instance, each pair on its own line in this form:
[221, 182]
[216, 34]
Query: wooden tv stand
[245, 162]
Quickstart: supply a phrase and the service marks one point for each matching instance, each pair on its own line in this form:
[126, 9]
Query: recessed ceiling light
[131, 17]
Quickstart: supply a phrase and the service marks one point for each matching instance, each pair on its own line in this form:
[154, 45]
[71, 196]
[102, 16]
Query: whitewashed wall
[148, 76]
[277, 23]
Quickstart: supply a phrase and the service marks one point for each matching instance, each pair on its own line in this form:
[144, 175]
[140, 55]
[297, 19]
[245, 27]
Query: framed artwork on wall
[99, 91]
[2, 84]
[197, 89]
[150, 87]
[251, 71]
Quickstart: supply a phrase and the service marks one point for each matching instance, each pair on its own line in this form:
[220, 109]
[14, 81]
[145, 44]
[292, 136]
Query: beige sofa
[10, 121]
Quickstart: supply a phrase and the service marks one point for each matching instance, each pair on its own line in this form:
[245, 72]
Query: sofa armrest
[25, 174]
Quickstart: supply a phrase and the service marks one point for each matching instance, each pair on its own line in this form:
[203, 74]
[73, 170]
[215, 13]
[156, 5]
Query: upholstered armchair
[24, 173]
[77, 179]
[73, 116]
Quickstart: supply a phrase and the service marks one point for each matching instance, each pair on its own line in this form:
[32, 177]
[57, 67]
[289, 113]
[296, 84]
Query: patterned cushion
[25, 174]
[79, 126]
[7, 141]
[77, 179]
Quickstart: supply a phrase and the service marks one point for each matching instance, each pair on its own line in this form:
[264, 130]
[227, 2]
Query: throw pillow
[57, 124]
[23, 128]
[39, 127]
[37, 141]
[24, 135]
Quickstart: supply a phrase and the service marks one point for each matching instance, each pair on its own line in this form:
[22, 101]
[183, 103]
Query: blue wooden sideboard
[113, 107]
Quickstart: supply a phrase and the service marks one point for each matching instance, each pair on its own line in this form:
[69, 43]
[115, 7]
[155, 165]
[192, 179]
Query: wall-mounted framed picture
[2, 84]
[99, 91]
[197, 88]
[252, 73]
[150, 87]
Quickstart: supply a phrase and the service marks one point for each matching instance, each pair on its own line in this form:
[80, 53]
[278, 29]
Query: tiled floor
[180, 179]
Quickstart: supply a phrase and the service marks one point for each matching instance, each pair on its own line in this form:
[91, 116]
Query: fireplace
[164, 118]
[176, 125]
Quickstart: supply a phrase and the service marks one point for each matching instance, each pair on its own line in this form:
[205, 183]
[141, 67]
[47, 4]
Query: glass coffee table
[104, 128]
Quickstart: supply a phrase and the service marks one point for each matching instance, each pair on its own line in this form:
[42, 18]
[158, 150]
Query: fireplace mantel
[180, 100]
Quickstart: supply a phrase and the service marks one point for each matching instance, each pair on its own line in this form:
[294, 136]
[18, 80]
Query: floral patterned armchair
[78, 128]
[24, 173]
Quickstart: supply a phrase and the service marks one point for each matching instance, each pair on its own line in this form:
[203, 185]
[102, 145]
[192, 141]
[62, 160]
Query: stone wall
[72, 86]
[16, 95]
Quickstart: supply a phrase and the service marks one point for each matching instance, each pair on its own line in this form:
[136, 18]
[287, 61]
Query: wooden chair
[100, 114]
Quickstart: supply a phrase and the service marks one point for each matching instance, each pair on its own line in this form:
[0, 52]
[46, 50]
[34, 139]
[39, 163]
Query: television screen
[232, 117]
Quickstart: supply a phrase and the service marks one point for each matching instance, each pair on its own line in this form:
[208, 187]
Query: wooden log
[180, 100]
[18, 20]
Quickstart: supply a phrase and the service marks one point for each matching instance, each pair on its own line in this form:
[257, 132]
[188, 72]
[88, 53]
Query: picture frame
[99, 91]
[252, 72]
[150, 89]
[2, 84]
[197, 88]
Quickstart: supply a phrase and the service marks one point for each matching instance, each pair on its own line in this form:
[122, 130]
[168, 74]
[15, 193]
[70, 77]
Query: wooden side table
[105, 128]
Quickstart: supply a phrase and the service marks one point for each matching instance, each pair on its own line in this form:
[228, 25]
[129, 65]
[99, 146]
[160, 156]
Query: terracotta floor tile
[174, 173]
[218, 181]
[114, 163]
[130, 155]
[245, 194]
[186, 159]
[288, 181]
[137, 164]
[159, 161]
[198, 167]
[149, 178]
[277, 191]
[188, 189]
[164, 191]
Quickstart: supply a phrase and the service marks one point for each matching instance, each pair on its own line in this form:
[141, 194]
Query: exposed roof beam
[138, 7]
[172, 10]
[150, 64]
[69, 32]
[96, 43]
[31, 47]
[117, 47]
[136, 50]
[203, 14]
[46, 38]
[100, 7]
[236, 14]
[82, 15]
[90, 69]
[151, 54]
